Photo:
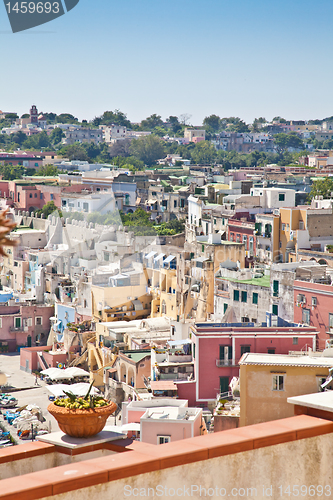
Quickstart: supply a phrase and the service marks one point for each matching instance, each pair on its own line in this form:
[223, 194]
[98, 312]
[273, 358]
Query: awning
[159, 257]
[112, 370]
[200, 259]
[137, 305]
[150, 255]
[163, 385]
[179, 342]
[169, 259]
[138, 201]
[151, 202]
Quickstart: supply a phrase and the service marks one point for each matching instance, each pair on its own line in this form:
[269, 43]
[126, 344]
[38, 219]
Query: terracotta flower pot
[81, 423]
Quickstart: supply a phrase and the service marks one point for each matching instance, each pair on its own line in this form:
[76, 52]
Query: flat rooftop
[285, 360]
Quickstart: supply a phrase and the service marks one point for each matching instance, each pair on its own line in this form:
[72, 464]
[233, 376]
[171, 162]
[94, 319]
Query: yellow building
[124, 296]
[267, 380]
[292, 220]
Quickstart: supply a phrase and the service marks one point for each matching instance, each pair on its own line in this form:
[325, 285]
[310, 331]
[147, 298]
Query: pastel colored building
[268, 380]
[218, 347]
[24, 325]
[313, 306]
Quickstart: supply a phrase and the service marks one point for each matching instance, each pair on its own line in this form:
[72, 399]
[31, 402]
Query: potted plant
[79, 416]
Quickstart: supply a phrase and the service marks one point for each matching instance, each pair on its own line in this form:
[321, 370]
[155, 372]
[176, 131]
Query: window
[278, 382]
[17, 322]
[295, 340]
[236, 295]
[35, 195]
[275, 288]
[163, 439]
[270, 351]
[0, 322]
[174, 203]
[254, 298]
[225, 307]
[245, 348]
[330, 320]
[281, 196]
[30, 195]
[283, 227]
[41, 196]
[29, 322]
[244, 296]
[306, 316]
[51, 196]
[202, 248]
[275, 309]
[38, 320]
[301, 224]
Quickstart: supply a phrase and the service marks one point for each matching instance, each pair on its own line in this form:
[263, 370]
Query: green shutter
[275, 288]
[236, 295]
[255, 298]
[275, 309]
[244, 296]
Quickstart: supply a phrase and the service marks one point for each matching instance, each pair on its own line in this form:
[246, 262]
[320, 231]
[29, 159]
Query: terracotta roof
[163, 385]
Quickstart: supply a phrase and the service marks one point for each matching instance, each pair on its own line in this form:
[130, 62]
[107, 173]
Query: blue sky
[245, 58]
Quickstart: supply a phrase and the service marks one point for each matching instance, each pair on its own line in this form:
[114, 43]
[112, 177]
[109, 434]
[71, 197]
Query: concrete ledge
[141, 458]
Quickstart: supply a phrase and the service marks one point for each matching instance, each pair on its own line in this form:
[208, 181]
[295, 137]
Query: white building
[271, 198]
[101, 202]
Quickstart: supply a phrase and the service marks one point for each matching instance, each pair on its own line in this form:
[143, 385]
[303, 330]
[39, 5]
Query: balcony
[224, 362]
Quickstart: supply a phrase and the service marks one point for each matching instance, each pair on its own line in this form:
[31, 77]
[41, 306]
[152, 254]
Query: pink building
[163, 420]
[217, 350]
[24, 325]
[40, 358]
[313, 306]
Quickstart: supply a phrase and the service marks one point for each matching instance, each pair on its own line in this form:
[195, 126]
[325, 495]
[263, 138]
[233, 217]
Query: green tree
[74, 152]
[47, 171]
[56, 135]
[321, 188]
[151, 122]
[174, 124]
[115, 117]
[212, 122]
[48, 209]
[285, 141]
[147, 149]
[66, 118]
[204, 152]
[18, 137]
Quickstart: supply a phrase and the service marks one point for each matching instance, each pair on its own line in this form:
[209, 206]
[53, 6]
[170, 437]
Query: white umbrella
[49, 371]
[60, 375]
[132, 426]
[76, 372]
[77, 389]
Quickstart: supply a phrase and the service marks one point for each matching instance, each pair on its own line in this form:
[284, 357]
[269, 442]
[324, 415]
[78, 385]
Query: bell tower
[34, 115]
